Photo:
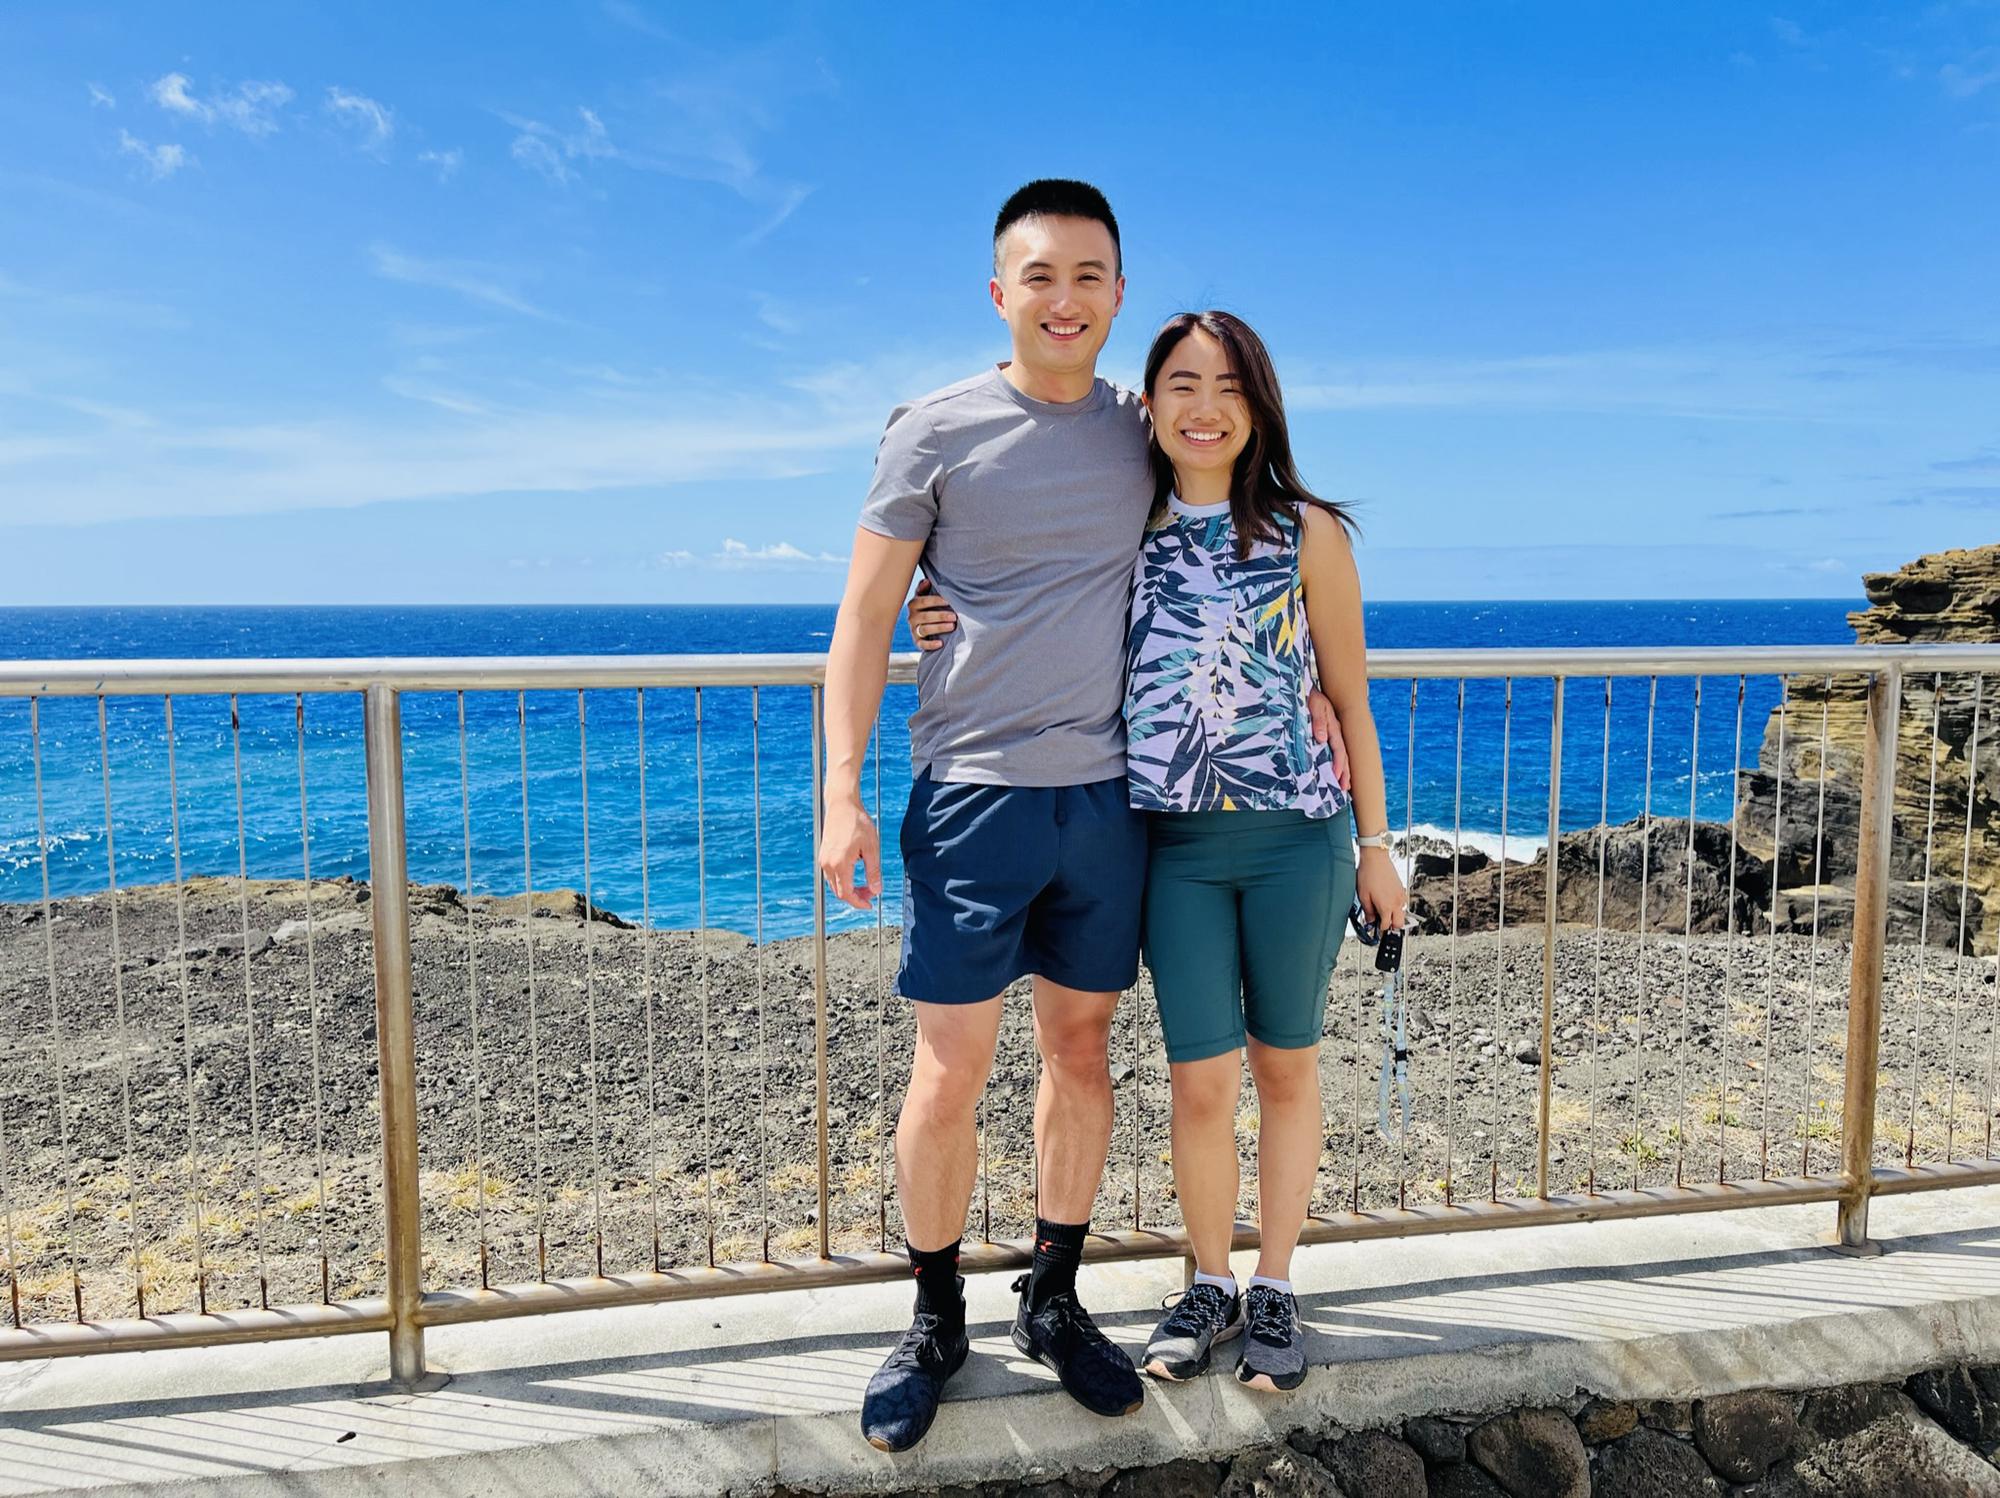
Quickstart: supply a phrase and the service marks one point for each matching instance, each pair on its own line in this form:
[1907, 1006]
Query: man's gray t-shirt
[1030, 515]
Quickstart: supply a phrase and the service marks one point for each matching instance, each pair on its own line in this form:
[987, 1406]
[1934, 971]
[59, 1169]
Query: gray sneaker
[1274, 1354]
[1201, 1317]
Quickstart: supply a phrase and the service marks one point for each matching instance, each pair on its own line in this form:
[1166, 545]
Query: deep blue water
[204, 751]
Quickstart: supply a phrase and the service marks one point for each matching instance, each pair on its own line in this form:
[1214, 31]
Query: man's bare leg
[937, 1139]
[1073, 1099]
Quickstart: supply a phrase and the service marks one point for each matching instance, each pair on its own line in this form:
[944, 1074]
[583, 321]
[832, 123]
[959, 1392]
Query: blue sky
[607, 301]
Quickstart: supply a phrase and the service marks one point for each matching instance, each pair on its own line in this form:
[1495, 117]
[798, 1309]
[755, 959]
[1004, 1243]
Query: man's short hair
[1056, 197]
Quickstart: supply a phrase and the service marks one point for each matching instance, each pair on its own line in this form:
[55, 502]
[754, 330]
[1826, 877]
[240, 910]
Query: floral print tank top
[1219, 665]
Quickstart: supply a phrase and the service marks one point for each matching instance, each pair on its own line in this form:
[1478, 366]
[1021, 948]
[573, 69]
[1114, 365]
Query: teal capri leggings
[1244, 915]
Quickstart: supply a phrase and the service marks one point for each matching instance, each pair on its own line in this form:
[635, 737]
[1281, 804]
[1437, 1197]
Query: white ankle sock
[1271, 1284]
[1226, 1283]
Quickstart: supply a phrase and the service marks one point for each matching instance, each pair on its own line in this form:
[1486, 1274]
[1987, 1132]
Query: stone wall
[1937, 1433]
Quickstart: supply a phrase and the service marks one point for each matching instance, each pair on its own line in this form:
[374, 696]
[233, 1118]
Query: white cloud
[674, 559]
[1973, 75]
[252, 107]
[735, 556]
[100, 97]
[547, 150]
[374, 120]
[537, 155]
[446, 162]
[469, 279]
[161, 162]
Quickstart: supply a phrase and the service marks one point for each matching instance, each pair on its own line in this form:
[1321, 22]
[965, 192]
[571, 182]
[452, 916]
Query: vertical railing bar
[472, 1006]
[1451, 993]
[647, 995]
[131, 1161]
[1354, 1120]
[1409, 865]
[1645, 884]
[1862, 1068]
[1687, 948]
[534, 1015]
[1729, 946]
[312, 1004]
[1964, 876]
[881, 1025]
[1812, 946]
[1918, 1002]
[1500, 1053]
[1550, 889]
[763, 1060]
[7, 1208]
[590, 990]
[249, 1009]
[187, 1016]
[819, 969]
[701, 939]
[1597, 961]
[1771, 966]
[56, 1046]
[395, 1026]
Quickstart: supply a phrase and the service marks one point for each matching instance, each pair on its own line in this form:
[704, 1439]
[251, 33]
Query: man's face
[1058, 289]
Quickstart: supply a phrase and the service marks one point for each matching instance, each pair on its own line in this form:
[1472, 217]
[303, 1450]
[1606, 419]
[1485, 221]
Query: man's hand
[1325, 728]
[850, 834]
[931, 618]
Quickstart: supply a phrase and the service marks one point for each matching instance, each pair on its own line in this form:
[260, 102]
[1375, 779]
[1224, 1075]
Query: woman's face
[1200, 418]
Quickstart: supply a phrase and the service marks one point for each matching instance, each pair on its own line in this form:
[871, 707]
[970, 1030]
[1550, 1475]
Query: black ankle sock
[936, 1270]
[1058, 1250]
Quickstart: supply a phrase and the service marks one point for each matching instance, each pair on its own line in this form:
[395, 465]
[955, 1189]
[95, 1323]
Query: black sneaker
[902, 1397]
[1274, 1354]
[1202, 1316]
[1062, 1337]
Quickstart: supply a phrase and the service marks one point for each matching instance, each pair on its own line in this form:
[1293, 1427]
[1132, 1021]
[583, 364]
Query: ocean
[733, 868]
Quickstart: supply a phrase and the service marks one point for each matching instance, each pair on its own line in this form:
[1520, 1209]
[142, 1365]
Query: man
[1024, 493]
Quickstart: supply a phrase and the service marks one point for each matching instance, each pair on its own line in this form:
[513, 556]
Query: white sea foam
[1520, 848]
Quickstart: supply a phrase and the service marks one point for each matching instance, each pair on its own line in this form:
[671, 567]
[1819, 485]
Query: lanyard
[1392, 1091]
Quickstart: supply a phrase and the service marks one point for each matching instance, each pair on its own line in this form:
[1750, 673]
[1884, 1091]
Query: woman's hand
[1381, 891]
[931, 618]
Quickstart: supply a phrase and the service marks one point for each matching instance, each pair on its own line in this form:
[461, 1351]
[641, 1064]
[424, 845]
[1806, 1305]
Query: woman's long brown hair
[1266, 482]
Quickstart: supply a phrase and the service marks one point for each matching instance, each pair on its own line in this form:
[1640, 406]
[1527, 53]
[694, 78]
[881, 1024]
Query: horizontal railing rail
[690, 1144]
[90, 678]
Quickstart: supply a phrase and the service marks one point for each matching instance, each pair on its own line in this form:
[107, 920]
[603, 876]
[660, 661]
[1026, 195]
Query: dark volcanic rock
[1961, 1402]
[1651, 1464]
[1439, 1442]
[1278, 1472]
[1897, 1454]
[1374, 1463]
[1533, 1454]
[1743, 1434]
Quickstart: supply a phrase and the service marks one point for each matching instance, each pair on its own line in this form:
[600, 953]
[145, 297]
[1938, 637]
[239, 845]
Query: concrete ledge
[750, 1393]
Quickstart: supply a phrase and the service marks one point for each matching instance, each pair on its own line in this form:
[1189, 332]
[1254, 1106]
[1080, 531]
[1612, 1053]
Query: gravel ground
[683, 1145]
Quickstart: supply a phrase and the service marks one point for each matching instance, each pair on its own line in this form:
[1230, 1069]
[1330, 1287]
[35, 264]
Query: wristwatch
[1374, 840]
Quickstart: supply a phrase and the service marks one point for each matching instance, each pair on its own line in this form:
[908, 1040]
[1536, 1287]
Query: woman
[1245, 596]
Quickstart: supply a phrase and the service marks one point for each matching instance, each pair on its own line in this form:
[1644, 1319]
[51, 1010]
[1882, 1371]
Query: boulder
[1533, 1454]
[1186, 1478]
[1374, 1463]
[1960, 1402]
[1439, 1442]
[1277, 1472]
[1742, 1435]
[1652, 1464]
[1900, 1453]
[1601, 1421]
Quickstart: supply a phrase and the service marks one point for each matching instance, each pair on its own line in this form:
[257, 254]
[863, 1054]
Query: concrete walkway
[757, 1390]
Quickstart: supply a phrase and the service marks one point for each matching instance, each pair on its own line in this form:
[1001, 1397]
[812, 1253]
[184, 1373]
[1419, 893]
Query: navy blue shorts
[1000, 881]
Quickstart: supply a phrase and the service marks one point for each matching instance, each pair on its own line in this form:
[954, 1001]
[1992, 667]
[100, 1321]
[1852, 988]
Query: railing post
[395, 1030]
[1871, 929]
[1545, 1100]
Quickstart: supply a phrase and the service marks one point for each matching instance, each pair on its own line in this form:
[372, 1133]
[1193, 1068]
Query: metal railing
[706, 1236]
